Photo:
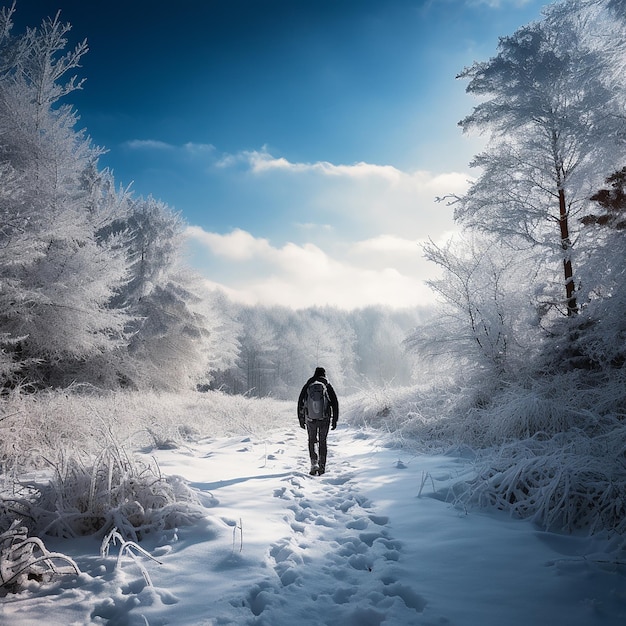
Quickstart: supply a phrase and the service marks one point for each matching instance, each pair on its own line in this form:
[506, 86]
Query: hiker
[318, 410]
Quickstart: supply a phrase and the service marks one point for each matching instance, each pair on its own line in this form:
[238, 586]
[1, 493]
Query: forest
[523, 360]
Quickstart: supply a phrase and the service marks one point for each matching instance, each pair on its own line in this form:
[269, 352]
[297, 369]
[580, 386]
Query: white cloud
[235, 246]
[305, 275]
[386, 243]
[392, 252]
[348, 235]
[341, 286]
[314, 226]
[262, 161]
[364, 199]
[199, 149]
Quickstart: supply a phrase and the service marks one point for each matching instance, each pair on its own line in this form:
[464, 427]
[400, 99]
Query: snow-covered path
[311, 550]
[371, 542]
[337, 561]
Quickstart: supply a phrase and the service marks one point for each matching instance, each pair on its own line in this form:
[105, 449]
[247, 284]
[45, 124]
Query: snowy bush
[568, 482]
[112, 491]
[37, 427]
[102, 490]
[384, 408]
[436, 417]
[552, 404]
[550, 449]
[24, 559]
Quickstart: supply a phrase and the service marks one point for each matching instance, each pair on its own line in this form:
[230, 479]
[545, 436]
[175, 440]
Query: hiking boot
[321, 470]
[314, 470]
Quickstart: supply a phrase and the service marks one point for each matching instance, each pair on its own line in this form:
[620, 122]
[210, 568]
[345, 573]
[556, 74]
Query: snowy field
[372, 542]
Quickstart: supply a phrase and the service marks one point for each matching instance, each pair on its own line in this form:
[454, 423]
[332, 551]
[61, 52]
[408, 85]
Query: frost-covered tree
[618, 8]
[155, 238]
[555, 121]
[223, 348]
[91, 284]
[380, 355]
[279, 349]
[172, 326]
[170, 348]
[328, 340]
[482, 324]
[612, 200]
[256, 363]
[57, 274]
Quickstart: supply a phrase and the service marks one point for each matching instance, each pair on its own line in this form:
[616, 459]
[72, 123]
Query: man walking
[318, 411]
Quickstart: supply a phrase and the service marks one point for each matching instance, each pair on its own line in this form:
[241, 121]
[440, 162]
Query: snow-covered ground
[371, 542]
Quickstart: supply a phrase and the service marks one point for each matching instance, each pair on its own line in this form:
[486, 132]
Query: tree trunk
[566, 245]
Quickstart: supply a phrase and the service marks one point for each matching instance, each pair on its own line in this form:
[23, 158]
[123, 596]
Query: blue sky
[303, 142]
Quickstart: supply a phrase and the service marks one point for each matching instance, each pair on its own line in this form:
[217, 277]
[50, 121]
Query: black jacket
[334, 403]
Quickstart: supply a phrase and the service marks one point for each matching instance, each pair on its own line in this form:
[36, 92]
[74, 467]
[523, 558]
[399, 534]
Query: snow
[371, 542]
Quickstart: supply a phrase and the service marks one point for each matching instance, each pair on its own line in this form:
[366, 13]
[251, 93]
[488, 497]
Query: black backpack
[317, 402]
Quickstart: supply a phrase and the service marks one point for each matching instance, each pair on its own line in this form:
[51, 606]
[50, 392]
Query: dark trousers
[318, 431]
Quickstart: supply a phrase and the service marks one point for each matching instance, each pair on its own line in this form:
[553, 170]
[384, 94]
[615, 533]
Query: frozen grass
[35, 427]
[129, 548]
[113, 491]
[82, 444]
[568, 482]
[552, 449]
[86, 480]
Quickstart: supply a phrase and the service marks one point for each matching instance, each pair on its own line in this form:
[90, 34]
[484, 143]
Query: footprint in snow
[360, 523]
[338, 553]
[338, 480]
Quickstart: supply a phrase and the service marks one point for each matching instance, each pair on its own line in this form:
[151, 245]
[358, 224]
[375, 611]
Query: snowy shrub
[433, 417]
[419, 418]
[483, 416]
[564, 483]
[39, 426]
[164, 438]
[113, 491]
[547, 404]
[384, 408]
[221, 414]
[24, 559]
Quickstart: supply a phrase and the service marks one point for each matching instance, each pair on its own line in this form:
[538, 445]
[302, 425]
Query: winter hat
[319, 371]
